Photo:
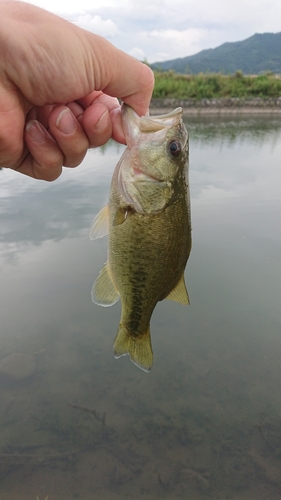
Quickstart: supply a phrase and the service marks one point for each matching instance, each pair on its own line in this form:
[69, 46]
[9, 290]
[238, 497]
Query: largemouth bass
[149, 228]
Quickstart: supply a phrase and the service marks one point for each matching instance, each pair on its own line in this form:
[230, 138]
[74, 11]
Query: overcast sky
[159, 30]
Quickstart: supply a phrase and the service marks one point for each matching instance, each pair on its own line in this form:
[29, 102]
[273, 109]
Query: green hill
[257, 54]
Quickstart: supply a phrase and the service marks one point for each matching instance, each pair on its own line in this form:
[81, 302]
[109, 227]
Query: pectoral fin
[120, 216]
[104, 292]
[179, 293]
[100, 224]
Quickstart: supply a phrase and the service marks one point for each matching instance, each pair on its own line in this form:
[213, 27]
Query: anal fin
[179, 293]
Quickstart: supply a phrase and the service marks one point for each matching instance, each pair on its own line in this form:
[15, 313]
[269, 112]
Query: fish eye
[174, 148]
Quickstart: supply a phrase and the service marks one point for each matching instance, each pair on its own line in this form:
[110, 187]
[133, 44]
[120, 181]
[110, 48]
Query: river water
[206, 421]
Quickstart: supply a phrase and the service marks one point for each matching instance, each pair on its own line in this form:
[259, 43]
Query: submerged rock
[17, 366]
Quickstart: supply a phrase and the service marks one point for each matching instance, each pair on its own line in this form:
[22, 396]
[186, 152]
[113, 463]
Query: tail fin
[138, 347]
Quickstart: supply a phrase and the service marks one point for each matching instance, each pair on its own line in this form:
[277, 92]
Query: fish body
[149, 228]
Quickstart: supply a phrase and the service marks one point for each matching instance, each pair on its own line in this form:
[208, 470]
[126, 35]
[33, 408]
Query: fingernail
[102, 124]
[36, 131]
[66, 122]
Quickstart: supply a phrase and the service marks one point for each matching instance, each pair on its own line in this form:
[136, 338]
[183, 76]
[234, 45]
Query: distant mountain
[259, 53]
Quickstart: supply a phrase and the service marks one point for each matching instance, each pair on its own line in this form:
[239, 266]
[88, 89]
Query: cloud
[183, 42]
[106, 28]
[160, 29]
[138, 53]
[163, 44]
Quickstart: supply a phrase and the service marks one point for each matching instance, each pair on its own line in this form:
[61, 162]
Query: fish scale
[149, 227]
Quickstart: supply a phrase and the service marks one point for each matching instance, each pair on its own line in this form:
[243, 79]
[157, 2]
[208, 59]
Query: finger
[99, 124]
[41, 114]
[45, 159]
[123, 76]
[117, 126]
[94, 114]
[69, 134]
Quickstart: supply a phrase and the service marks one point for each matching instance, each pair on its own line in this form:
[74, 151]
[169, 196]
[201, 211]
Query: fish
[148, 222]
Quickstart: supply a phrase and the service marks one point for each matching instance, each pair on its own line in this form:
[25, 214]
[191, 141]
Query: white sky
[159, 30]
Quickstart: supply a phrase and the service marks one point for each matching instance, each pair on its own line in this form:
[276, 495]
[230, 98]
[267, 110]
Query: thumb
[12, 119]
[120, 75]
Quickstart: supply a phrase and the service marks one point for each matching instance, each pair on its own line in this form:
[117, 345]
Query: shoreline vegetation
[216, 93]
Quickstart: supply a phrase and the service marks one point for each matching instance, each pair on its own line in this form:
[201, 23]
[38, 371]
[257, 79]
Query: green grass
[169, 84]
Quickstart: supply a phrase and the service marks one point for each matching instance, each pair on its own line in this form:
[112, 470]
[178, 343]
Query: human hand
[58, 89]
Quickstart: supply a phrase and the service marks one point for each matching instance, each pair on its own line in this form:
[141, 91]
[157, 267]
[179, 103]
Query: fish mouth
[171, 114]
[156, 123]
[147, 123]
[143, 176]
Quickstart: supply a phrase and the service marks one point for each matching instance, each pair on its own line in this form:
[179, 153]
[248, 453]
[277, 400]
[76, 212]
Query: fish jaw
[135, 125]
[151, 129]
[143, 193]
[146, 173]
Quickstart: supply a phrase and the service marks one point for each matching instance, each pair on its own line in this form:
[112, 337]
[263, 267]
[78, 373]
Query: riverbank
[232, 105]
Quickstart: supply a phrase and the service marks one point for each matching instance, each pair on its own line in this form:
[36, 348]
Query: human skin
[58, 91]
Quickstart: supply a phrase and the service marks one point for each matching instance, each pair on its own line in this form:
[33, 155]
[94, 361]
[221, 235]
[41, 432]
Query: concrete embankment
[231, 105]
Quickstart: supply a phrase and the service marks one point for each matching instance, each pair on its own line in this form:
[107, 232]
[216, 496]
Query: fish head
[155, 160]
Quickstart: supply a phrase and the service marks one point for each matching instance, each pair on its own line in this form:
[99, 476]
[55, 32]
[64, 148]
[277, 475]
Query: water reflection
[206, 421]
[232, 130]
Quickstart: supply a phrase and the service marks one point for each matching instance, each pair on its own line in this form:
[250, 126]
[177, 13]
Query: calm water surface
[206, 422]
